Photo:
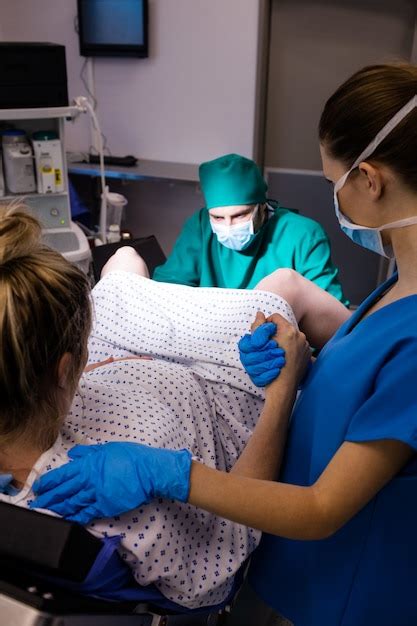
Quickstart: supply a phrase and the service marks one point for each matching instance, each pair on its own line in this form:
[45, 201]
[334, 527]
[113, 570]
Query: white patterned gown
[192, 393]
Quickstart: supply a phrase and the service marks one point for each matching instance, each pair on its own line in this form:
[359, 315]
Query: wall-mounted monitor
[113, 28]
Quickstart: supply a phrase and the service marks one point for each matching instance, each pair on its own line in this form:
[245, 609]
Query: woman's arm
[353, 477]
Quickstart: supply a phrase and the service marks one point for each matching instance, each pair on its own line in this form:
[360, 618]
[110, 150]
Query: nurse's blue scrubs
[363, 387]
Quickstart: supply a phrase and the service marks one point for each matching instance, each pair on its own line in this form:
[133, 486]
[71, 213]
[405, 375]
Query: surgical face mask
[235, 236]
[366, 236]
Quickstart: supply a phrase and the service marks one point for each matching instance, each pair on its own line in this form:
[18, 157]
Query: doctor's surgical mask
[235, 236]
[365, 236]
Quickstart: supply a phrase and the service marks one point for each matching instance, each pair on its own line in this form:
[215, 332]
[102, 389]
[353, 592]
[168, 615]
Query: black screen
[113, 27]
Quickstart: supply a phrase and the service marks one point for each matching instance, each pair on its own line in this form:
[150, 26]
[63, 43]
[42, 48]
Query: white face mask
[235, 236]
[366, 236]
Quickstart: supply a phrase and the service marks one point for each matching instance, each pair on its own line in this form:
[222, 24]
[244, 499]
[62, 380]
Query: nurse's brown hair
[361, 106]
[44, 313]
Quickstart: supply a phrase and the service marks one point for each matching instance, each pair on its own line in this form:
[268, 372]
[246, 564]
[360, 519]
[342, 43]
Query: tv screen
[113, 28]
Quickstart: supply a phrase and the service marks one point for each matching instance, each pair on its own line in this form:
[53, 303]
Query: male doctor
[240, 236]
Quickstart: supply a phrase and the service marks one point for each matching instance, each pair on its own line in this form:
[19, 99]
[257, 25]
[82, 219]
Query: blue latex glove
[110, 479]
[5, 480]
[261, 356]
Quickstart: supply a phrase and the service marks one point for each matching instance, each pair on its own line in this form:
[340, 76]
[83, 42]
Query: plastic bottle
[113, 234]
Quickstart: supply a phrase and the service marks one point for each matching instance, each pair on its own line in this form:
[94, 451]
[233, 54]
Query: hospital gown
[192, 393]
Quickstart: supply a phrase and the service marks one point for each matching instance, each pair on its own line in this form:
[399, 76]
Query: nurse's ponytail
[44, 313]
[357, 111]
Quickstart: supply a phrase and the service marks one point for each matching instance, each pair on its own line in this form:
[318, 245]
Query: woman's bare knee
[280, 282]
[286, 283]
[126, 259]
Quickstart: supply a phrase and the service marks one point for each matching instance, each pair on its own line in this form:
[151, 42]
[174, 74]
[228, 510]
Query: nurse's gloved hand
[110, 479]
[5, 481]
[260, 355]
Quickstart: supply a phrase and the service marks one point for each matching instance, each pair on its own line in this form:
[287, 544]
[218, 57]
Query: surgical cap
[231, 180]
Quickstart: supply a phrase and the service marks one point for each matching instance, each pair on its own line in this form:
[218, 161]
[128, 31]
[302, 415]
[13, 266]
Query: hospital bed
[45, 561]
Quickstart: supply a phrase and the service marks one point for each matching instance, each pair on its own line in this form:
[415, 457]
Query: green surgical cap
[231, 180]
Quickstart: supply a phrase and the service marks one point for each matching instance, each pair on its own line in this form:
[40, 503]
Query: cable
[84, 105]
[95, 103]
[84, 82]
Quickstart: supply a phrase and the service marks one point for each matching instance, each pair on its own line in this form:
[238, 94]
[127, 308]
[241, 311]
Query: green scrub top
[285, 240]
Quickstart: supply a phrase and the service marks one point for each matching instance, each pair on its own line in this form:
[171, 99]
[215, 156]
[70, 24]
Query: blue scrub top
[363, 387]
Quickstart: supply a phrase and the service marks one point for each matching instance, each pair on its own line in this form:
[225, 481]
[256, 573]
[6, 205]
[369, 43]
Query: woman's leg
[318, 313]
[104, 345]
[196, 327]
[126, 259]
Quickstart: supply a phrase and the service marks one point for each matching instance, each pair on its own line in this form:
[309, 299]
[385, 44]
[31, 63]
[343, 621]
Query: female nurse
[340, 543]
[239, 237]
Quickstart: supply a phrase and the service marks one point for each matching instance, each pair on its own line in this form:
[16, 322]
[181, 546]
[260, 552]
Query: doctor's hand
[260, 354]
[110, 479]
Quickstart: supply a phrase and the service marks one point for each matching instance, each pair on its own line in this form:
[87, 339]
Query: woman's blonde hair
[44, 313]
[361, 106]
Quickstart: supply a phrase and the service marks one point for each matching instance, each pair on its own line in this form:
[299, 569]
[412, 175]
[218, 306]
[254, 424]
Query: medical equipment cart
[53, 208]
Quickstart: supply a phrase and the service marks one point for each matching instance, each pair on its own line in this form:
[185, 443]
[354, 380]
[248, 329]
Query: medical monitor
[113, 28]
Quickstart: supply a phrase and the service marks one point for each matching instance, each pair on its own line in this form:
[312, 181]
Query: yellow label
[58, 177]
